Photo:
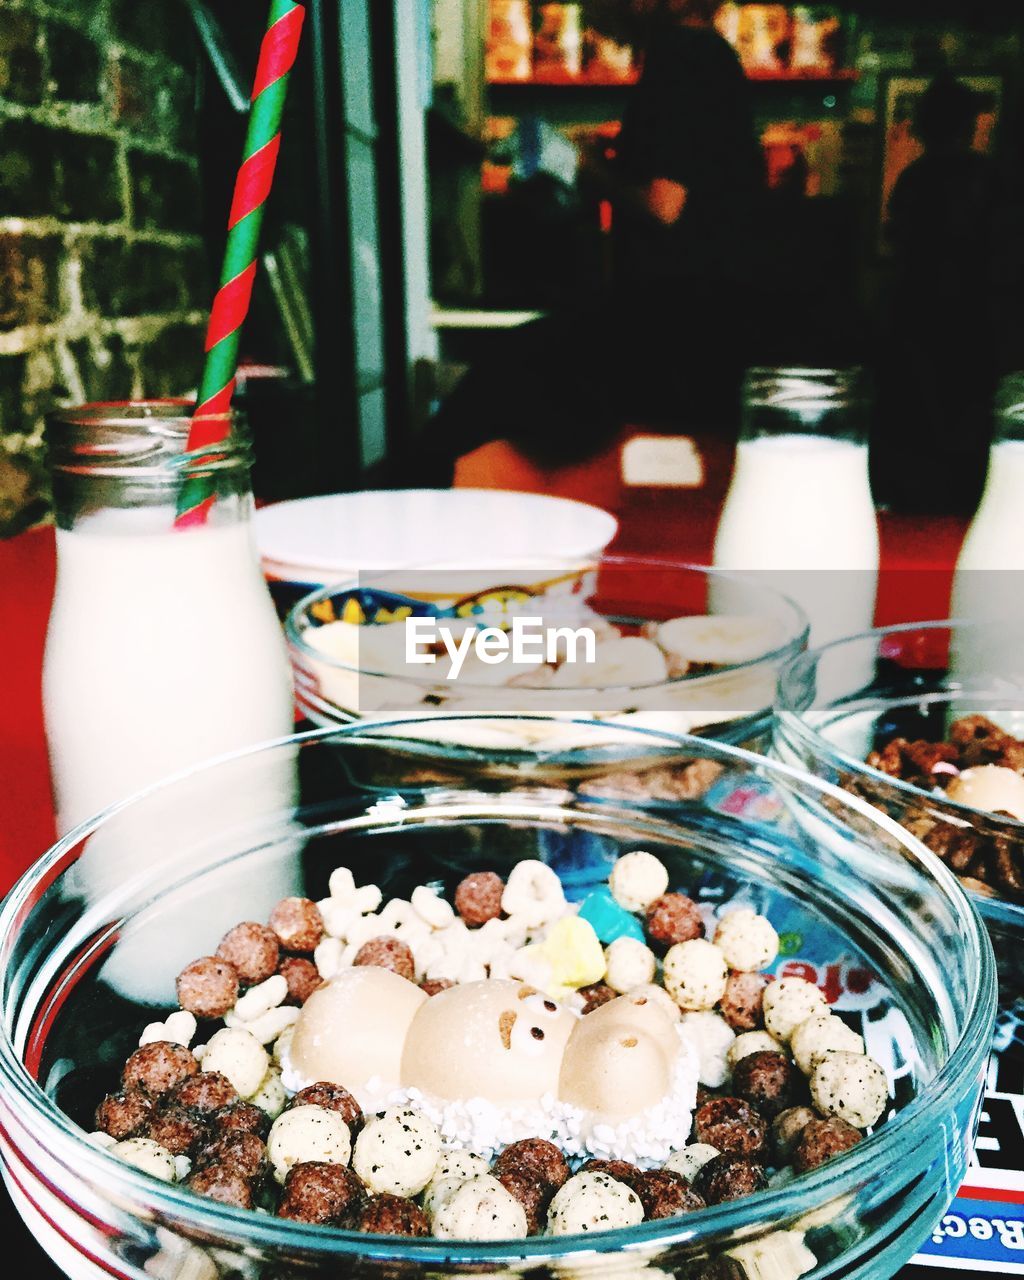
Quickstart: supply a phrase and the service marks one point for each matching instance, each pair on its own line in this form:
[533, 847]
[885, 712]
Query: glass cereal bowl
[94, 934]
[838, 704]
[350, 663]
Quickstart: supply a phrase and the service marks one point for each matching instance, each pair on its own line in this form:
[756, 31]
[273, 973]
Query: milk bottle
[799, 512]
[988, 586]
[990, 570]
[163, 650]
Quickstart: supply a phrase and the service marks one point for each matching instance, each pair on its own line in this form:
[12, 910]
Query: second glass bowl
[752, 630]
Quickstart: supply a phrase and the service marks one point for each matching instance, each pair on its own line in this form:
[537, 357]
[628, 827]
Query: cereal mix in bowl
[500, 1065]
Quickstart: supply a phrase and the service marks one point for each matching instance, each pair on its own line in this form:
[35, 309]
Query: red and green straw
[211, 421]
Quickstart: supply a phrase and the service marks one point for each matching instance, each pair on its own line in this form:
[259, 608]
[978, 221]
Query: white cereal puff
[282, 1044]
[307, 1133]
[789, 1002]
[147, 1155]
[237, 1054]
[397, 1152]
[480, 1209]
[823, 1033]
[271, 1096]
[637, 879]
[747, 940]
[712, 1037]
[453, 1169]
[456, 1163]
[593, 1202]
[695, 974]
[752, 1042]
[630, 964]
[851, 1086]
[690, 1160]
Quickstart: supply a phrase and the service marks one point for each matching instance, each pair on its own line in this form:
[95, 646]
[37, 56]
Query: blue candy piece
[608, 920]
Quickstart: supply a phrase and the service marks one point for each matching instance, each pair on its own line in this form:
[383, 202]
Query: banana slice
[992, 787]
[373, 648]
[624, 660]
[724, 640]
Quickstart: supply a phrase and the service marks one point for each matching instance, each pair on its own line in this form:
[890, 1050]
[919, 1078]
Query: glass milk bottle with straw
[163, 647]
[988, 586]
[799, 511]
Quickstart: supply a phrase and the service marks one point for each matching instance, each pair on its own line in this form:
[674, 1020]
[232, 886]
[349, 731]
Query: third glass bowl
[838, 703]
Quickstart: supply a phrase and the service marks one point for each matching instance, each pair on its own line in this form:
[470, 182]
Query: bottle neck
[132, 460]
[1009, 428]
[816, 403]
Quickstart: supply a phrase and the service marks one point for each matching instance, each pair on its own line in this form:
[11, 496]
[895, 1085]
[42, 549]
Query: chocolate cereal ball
[208, 987]
[620, 1170]
[820, 1140]
[224, 1184]
[478, 897]
[535, 1156]
[302, 976]
[125, 1114]
[298, 924]
[241, 1117]
[252, 949]
[208, 1091]
[388, 953]
[158, 1067]
[729, 1177]
[388, 1215]
[236, 1149]
[179, 1131]
[334, 1098]
[741, 1005]
[786, 1130]
[766, 1080]
[531, 1193]
[731, 1126]
[434, 986]
[664, 1194]
[673, 918]
[329, 1194]
[597, 994]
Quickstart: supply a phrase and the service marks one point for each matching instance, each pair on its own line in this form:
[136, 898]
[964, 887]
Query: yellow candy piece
[575, 954]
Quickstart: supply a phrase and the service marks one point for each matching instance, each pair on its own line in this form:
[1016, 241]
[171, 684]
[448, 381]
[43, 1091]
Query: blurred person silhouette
[939, 368]
[685, 190]
[661, 343]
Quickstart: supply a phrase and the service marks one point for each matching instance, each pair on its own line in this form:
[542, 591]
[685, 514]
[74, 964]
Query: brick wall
[103, 275]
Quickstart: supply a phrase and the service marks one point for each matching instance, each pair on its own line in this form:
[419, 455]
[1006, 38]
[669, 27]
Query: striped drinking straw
[211, 420]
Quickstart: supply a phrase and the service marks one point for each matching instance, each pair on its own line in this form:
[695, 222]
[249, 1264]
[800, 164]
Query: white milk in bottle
[799, 512]
[163, 651]
[988, 586]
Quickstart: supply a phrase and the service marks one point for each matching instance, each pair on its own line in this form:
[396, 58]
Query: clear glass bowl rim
[794, 645]
[131, 1189]
[788, 708]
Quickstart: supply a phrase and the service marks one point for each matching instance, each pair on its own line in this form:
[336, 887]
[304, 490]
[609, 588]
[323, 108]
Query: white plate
[321, 540]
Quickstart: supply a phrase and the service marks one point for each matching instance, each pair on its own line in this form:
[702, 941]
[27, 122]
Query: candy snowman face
[619, 1059]
[353, 1028]
[493, 1039]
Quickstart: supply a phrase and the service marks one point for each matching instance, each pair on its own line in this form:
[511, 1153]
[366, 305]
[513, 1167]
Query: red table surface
[917, 558]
